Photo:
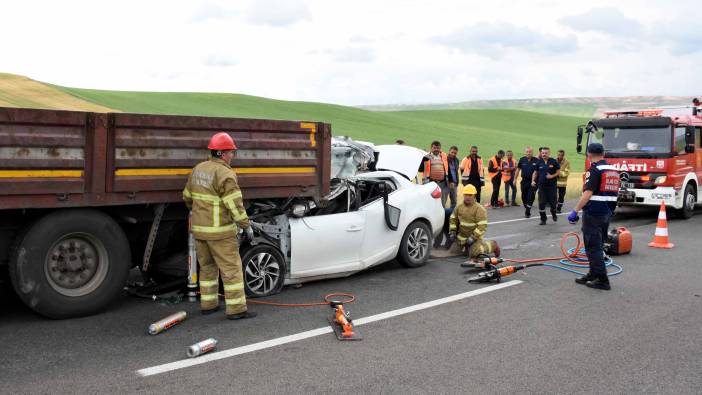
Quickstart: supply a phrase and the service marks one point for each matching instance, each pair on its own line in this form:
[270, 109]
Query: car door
[379, 241]
[326, 244]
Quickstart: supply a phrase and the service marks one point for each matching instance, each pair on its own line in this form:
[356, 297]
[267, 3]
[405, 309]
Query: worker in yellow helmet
[468, 225]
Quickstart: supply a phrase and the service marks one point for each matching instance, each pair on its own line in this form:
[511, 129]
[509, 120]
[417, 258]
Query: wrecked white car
[373, 214]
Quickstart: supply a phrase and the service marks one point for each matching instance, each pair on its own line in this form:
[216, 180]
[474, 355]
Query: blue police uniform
[548, 193]
[603, 180]
[527, 166]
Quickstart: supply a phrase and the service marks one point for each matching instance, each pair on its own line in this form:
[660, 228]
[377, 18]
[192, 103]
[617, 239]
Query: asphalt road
[543, 334]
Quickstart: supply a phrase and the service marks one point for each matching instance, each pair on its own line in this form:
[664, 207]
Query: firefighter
[436, 169]
[472, 171]
[526, 166]
[598, 202]
[468, 224]
[544, 178]
[495, 173]
[562, 181]
[213, 195]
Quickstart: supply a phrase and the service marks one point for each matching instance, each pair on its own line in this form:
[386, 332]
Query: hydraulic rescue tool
[619, 241]
[341, 322]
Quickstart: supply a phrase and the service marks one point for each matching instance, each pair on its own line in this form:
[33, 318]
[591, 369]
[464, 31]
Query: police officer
[598, 202]
[526, 166]
[468, 224]
[547, 171]
[213, 195]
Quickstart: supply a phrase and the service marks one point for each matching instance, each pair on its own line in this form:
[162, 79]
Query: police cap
[595, 148]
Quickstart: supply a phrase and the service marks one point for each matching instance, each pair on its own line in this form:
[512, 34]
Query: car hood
[402, 159]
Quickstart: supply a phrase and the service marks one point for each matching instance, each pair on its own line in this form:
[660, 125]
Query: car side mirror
[689, 139]
[579, 147]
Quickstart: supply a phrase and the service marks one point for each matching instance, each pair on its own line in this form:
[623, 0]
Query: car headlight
[660, 180]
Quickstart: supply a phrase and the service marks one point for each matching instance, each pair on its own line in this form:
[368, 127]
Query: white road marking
[232, 352]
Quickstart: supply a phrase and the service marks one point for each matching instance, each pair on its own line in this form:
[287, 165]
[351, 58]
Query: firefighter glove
[573, 217]
[470, 240]
[250, 235]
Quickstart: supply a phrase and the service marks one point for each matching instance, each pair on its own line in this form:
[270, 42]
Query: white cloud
[364, 52]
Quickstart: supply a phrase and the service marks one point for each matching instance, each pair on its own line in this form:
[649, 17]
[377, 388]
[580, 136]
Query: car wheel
[264, 271]
[689, 200]
[416, 245]
[70, 263]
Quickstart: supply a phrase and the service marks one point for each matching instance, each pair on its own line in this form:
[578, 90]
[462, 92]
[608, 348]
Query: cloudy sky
[360, 52]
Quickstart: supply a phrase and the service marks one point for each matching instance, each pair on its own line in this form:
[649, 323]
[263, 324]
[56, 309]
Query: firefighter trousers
[215, 257]
[475, 250]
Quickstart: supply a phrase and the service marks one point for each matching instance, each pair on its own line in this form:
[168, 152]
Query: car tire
[415, 246]
[70, 263]
[689, 200]
[264, 270]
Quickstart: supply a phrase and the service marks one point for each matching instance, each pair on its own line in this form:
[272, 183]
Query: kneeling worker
[213, 195]
[468, 225]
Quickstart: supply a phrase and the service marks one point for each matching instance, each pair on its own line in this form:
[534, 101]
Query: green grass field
[488, 129]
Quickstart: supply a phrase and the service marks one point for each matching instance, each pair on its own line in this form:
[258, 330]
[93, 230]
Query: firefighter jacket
[468, 221]
[213, 195]
[565, 171]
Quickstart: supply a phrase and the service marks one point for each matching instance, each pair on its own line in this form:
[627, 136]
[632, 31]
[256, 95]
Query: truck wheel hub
[72, 265]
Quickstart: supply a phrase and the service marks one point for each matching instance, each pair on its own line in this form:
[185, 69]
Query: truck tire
[264, 270]
[70, 263]
[415, 246]
[689, 200]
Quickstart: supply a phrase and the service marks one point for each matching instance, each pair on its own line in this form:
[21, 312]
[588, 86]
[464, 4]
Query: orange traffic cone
[660, 239]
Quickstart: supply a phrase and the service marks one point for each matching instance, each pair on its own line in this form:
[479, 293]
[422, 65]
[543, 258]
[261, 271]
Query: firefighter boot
[241, 316]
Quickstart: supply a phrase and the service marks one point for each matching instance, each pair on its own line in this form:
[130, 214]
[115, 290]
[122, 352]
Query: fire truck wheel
[689, 200]
[415, 246]
[264, 270]
[70, 263]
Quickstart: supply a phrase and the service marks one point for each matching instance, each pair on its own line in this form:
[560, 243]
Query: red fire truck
[657, 151]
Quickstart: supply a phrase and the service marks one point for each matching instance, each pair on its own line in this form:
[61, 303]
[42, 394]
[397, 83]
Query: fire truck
[658, 153]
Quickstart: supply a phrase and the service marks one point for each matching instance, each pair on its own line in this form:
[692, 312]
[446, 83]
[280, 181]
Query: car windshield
[634, 140]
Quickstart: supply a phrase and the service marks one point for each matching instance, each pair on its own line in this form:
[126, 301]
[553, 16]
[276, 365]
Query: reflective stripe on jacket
[565, 172]
[468, 221]
[213, 195]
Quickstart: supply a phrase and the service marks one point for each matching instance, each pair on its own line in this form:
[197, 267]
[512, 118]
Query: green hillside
[488, 129]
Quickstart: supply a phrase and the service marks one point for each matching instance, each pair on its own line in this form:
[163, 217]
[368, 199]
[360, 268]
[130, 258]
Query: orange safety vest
[466, 163]
[508, 164]
[495, 165]
[427, 165]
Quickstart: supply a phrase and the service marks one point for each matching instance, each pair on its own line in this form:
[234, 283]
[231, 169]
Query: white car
[370, 217]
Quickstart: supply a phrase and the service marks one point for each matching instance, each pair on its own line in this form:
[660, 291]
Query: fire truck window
[698, 137]
[680, 140]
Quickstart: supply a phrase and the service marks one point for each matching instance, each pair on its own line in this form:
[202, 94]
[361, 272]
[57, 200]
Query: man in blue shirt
[544, 178]
[526, 166]
[453, 174]
[598, 202]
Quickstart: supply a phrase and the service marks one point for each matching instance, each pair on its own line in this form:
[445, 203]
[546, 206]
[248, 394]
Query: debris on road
[202, 347]
[167, 322]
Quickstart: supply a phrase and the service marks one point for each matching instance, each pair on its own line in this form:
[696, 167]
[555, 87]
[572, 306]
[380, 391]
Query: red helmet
[221, 142]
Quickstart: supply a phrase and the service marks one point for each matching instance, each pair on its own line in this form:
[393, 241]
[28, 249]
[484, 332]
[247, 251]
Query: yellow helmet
[470, 190]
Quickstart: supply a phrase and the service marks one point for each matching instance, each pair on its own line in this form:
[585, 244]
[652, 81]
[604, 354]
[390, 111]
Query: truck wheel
[689, 200]
[415, 246]
[264, 271]
[70, 263]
